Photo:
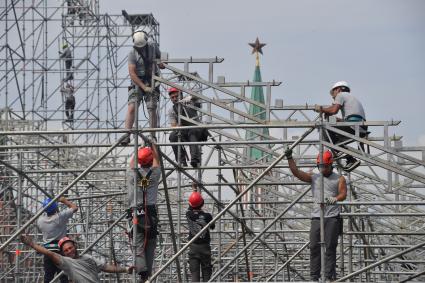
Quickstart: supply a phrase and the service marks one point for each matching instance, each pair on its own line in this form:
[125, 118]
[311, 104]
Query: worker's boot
[143, 276]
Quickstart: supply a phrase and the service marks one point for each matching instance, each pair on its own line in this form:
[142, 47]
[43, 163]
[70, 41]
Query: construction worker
[200, 249]
[148, 176]
[188, 135]
[53, 226]
[335, 189]
[352, 111]
[141, 65]
[66, 55]
[68, 96]
[80, 269]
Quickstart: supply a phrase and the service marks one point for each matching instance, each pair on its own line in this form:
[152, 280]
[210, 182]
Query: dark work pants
[50, 270]
[200, 259]
[337, 138]
[332, 230]
[69, 107]
[187, 136]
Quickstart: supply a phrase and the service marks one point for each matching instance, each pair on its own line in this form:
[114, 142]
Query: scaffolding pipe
[54, 199]
[260, 233]
[288, 261]
[229, 206]
[379, 262]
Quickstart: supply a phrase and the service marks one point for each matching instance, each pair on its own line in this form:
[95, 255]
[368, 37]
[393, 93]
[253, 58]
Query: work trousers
[151, 100]
[332, 231]
[147, 230]
[69, 107]
[50, 270]
[200, 259]
[191, 135]
[337, 138]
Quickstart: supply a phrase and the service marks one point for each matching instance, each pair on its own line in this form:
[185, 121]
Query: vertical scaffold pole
[322, 205]
[135, 168]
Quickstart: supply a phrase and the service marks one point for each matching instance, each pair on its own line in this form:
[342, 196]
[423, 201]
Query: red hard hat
[63, 241]
[173, 89]
[145, 156]
[327, 158]
[196, 200]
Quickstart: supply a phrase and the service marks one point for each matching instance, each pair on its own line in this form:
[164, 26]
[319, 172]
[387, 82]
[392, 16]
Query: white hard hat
[340, 84]
[140, 38]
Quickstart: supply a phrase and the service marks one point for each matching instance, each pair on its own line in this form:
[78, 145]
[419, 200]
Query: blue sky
[377, 46]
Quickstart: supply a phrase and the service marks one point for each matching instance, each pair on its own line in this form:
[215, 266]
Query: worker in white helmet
[141, 66]
[352, 111]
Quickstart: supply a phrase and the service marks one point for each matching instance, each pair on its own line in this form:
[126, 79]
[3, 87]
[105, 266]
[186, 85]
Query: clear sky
[377, 46]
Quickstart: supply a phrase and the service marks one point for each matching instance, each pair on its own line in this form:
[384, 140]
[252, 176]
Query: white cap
[140, 38]
[340, 84]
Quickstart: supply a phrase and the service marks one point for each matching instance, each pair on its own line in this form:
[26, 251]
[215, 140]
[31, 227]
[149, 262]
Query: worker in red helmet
[176, 116]
[142, 64]
[80, 269]
[352, 111]
[146, 190]
[200, 249]
[335, 189]
[53, 226]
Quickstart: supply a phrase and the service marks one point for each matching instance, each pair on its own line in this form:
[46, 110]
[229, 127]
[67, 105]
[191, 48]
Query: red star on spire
[257, 46]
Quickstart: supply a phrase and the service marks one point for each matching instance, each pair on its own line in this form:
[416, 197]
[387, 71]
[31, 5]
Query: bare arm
[155, 154]
[342, 189]
[27, 240]
[68, 204]
[134, 77]
[303, 176]
[331, 110]
[117, 269]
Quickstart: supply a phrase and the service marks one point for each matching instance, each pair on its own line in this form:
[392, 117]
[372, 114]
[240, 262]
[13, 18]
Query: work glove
[331, 200]
[317, 108]
[186, 100]
[288, 153]
[148, 90]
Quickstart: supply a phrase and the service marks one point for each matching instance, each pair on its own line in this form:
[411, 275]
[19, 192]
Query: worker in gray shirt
[142, 207]
[335, 189]
[141, 65]
[352, 111]
[80, 269]
[185, 108]
[53, 226]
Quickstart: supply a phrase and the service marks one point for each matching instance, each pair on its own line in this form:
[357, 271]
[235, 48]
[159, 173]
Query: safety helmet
[51, 209]
[63, 241]
[327, 158]
[145, 156]
[140, 38]
[343, 84]
[196, 200]
[173, 89]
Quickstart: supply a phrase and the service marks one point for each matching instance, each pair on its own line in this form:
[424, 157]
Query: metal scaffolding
[262, 213]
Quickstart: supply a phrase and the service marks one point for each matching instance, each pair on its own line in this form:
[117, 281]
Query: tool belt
[147, 221]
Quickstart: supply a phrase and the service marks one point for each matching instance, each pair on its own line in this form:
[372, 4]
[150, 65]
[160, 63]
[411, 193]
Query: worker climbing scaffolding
[335, 189]
[53, 225]
[200, 249]
[142, 215]
[142, 64]
[352, 111]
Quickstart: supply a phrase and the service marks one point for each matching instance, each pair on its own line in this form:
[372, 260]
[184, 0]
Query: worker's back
[350, 106]
[54, 227]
